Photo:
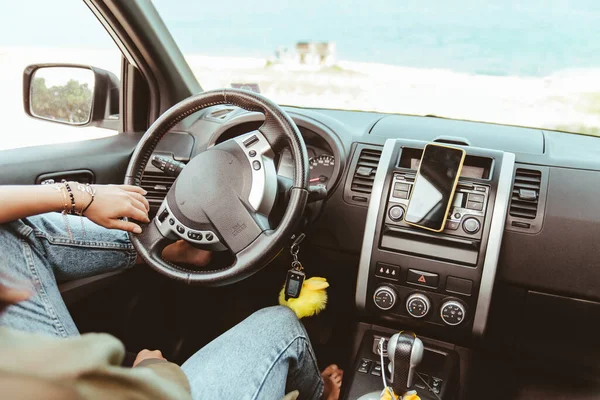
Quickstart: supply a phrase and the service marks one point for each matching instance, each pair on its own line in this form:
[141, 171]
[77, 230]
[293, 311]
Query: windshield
[535, 64]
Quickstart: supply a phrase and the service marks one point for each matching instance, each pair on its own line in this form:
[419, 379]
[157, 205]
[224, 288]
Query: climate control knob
[418, 305]
[452, 312]
[384, 297]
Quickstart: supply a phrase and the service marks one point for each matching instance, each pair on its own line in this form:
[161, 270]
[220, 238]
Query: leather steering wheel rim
[279, 131]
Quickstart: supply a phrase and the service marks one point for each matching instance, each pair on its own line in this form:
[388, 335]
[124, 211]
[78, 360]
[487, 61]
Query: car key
[295, 276]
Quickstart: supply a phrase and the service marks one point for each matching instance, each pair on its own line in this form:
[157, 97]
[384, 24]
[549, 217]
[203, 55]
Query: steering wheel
[223, 197]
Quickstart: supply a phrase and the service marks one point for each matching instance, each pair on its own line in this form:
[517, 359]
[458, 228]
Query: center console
[433, 283]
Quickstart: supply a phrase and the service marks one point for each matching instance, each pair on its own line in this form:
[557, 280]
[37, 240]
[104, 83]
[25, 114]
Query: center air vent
[157, 185]
[526, 193]
[363, 175]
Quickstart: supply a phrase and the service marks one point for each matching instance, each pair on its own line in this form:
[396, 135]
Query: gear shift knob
[405, 351]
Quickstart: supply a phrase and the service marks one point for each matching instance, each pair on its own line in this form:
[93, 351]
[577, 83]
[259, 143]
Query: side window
[57, 31]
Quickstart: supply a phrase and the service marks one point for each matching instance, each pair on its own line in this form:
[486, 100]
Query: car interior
[505, 299]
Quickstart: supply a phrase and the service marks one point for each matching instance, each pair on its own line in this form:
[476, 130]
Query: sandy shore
[566, 100]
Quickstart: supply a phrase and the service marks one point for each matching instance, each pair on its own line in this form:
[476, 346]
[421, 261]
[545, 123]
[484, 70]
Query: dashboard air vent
[157, 185]
[364, 173]
[526, 193]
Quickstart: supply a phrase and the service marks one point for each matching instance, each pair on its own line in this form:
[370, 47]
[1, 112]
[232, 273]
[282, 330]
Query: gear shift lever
[405, 351]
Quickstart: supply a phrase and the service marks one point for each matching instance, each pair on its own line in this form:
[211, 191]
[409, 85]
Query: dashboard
[320, 161]
[496, 232]
[323, 148]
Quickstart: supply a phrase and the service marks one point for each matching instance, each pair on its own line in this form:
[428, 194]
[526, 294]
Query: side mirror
[71, 94]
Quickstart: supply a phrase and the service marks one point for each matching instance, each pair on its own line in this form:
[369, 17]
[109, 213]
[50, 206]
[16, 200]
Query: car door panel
[105, 158]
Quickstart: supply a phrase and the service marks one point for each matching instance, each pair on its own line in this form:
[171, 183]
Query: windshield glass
[533, 63]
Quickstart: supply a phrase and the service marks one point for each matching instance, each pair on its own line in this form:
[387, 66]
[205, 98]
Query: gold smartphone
[435, 183]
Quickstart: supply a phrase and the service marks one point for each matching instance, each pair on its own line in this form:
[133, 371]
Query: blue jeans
[263, 357]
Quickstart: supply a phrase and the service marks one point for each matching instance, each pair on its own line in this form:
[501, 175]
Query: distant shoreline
[565, 100]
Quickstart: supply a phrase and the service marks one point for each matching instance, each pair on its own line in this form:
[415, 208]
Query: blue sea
[492, 37]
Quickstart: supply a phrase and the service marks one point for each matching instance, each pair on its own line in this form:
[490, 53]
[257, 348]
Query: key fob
[293, 284]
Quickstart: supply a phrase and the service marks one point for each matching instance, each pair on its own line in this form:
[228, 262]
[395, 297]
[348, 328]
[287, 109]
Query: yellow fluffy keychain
[388, 394]
[311, 300]
[305, 297]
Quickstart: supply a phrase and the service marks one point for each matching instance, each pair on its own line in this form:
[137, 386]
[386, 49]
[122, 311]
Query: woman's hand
[112, 202]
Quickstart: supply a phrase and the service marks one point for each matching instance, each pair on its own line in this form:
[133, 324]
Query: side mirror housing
[76, 95]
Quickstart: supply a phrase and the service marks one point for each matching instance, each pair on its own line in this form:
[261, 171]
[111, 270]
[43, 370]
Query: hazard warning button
[422, 278]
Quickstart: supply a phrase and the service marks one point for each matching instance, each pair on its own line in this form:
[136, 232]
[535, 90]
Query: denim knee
[279, 319]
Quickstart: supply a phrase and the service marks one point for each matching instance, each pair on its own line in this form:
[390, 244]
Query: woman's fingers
[134, 189]
[138, 213]
[139, 206]
[142, 199]
[124, 226]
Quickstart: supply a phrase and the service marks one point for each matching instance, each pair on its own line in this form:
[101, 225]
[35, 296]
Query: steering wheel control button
[163, 215]
[252, 153]
[180, 229]
[194, 235]
[384, 298]
[459, 285]
[209, 236]
[256, 165]
[418, 305]
[471, 225]
[387, 271]
[422, 278]
[251, 141]
[452, 312]
[171, 221]
[396, 213]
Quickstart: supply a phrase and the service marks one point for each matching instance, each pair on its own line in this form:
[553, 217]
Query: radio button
[401, 186]
[473, 205]
[422, 278]
[400, 194]
[476, 197]
[471, 225]
[396, 213]
[452, 225]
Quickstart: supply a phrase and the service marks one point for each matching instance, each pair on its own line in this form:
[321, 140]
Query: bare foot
[182, 252]
[332, 377]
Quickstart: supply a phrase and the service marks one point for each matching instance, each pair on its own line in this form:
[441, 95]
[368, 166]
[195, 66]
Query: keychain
[295, 276]
[306, 297]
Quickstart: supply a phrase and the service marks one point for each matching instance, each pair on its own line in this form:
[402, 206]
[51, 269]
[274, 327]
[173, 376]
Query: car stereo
[437, 283]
